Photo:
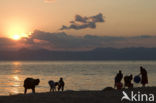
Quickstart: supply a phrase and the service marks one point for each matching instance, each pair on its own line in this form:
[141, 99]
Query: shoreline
[107, 95]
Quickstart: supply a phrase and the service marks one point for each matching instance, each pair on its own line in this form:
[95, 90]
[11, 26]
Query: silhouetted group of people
[30, 83]
[59, 85]
[128, 79]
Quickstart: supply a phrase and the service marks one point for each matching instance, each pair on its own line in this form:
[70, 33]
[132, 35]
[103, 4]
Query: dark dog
[30, 83]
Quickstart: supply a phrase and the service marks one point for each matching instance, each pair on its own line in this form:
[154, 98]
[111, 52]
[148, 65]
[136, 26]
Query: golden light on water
[15, 78]
[15, 84]
[16, 68]
[16, 63]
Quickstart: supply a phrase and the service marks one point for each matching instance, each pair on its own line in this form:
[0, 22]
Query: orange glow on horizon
[19, 36]
[17, 28]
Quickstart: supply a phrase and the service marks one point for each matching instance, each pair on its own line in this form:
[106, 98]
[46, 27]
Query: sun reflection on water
[15, 78]
[16, 63]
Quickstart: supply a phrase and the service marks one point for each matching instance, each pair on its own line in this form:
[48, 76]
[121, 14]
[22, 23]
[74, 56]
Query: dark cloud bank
[81, 22]
[63, 41]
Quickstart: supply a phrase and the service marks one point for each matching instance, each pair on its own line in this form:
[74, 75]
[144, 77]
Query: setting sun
[17, 28]
[16, 37]
[16, 32]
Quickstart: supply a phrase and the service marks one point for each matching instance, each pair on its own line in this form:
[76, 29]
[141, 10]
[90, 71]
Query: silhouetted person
[144, 77]
[53, 85]
[118, 78]
[30, 83]
[127, 81]
[61, 84]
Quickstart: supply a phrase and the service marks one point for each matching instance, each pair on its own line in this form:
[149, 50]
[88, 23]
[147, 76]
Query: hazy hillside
[96, 54]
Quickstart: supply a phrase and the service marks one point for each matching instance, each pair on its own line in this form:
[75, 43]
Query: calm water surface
[83, 75]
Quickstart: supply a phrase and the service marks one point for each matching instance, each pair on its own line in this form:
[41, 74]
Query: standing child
[61, 84]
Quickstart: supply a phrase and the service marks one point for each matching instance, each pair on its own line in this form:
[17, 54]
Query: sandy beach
[107, 95]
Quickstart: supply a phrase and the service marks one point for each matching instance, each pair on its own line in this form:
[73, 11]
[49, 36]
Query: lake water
[78, 75]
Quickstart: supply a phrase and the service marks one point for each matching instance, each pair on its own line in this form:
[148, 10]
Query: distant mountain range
[96, 54]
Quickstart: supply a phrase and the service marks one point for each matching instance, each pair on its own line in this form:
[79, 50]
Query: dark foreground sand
[107, 95]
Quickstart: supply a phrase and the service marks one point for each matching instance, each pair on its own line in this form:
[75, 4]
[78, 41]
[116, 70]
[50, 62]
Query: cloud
[81, 22]
[63, 41]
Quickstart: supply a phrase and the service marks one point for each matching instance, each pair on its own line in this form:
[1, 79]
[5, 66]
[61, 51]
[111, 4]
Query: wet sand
[108, 95]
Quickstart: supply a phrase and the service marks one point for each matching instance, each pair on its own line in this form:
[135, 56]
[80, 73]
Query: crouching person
[128, 80]
[30, 83]
[52, 85]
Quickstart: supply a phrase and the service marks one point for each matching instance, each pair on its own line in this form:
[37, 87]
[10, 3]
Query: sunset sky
[114, 18]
